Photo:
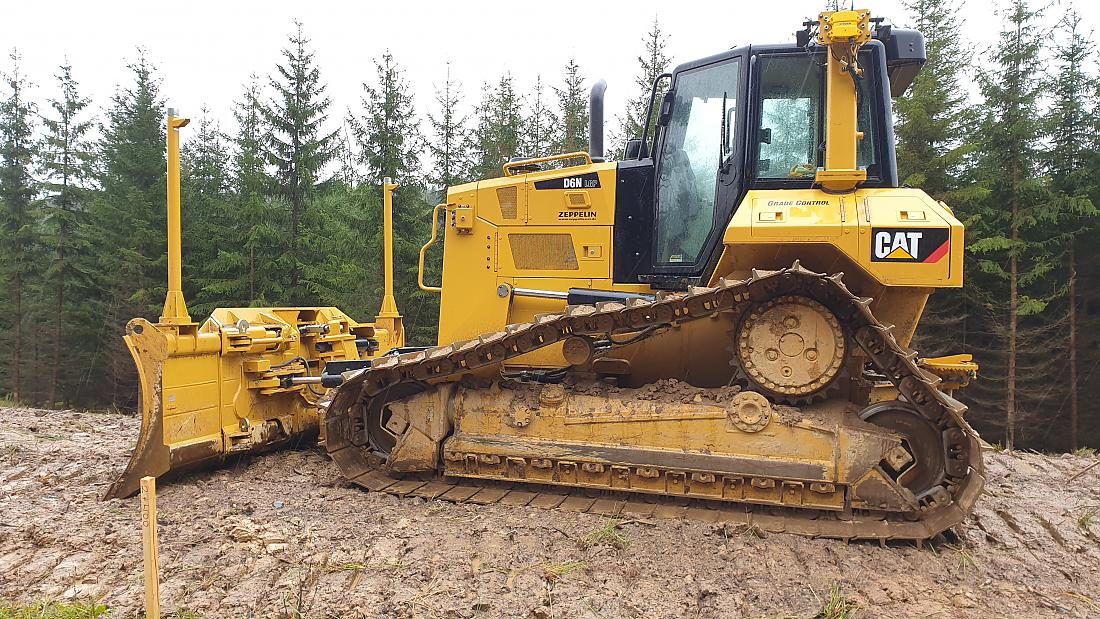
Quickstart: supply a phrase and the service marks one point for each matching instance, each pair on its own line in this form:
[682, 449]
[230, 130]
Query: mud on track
[282, 535]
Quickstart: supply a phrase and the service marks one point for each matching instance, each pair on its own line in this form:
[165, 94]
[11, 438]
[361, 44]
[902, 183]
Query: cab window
[790, 133]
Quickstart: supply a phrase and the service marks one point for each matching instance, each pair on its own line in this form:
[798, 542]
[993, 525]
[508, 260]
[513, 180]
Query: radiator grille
[507, 196]
[543, 252]
[577, 199]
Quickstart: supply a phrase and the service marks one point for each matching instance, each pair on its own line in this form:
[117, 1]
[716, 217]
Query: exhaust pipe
[595, 120]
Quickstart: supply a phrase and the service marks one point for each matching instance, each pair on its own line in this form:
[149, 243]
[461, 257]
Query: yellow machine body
[503, 232]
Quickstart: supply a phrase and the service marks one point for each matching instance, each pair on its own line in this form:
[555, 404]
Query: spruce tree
[450, 144]
[129, 226]
[388, 135]
[66, 175]
[1070, 213]
[499, 133]
[18, 243]
[298, 148]
[250, 263]
[572, 110]
[1011, 263]
[934, 117]
[205, 195]
[540, 126]
[346, 156]
[652, 63]
[934, 129]
[345, 268]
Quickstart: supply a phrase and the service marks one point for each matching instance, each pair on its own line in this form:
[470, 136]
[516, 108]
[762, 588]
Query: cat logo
[925, 245]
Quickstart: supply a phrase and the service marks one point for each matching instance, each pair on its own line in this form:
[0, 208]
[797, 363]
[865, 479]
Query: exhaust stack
[595, 120]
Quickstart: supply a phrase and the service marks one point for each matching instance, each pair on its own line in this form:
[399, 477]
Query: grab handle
[424, 251]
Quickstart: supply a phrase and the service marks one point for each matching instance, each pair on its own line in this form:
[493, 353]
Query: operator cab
[749, 118]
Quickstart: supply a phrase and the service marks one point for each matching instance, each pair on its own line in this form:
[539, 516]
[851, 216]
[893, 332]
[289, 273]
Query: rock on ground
[282, 535]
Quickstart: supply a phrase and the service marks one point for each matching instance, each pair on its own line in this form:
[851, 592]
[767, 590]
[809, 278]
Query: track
[395, 377]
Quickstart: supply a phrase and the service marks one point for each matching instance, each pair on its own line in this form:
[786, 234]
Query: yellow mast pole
[389, 328]
[389, 304]
[175, 307]
[842, 32]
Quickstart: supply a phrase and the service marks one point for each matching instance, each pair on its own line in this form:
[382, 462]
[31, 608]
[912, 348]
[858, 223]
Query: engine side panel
[547, 230]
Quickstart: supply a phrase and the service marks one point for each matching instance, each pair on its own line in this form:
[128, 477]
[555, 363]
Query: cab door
[695, 160]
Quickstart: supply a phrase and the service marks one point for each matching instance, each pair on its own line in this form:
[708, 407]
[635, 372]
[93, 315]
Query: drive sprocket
[791, 348]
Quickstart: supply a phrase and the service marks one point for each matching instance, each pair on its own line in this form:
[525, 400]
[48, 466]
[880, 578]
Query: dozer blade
[245, 381]
[149, 349]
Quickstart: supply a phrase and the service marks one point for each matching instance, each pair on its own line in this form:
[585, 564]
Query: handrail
[546, 159]
[424, 250]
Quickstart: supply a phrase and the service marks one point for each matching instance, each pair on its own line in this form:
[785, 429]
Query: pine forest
[285, 207]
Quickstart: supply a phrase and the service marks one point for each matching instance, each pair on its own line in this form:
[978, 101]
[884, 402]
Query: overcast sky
[205, 51]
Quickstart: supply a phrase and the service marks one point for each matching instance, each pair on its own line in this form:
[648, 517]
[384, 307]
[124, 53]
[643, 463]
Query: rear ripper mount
[914, 492]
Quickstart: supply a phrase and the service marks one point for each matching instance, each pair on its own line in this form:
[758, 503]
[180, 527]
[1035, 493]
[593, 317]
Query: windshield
[697, 140]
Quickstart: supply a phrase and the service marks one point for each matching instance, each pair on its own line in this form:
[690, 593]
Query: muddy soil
[282, 535]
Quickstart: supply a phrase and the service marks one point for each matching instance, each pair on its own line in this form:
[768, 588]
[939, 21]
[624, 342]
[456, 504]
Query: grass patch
[550, 571]
[836, 606]
[13, 454]
[1084, 452]
[48, 437]
[554, 571]
[52, 610]
[183, 613]
[1088, 517]
[966, 560]
[1084, 599]
[997, 447]
[364, 567]
[607, 535]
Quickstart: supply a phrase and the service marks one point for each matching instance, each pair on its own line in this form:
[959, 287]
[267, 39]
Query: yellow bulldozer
[666, 335]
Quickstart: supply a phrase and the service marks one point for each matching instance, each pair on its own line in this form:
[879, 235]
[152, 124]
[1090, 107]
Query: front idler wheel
[918, 462]
[381, 427]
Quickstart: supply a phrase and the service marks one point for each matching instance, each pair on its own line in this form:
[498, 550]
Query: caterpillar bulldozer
[714, 327]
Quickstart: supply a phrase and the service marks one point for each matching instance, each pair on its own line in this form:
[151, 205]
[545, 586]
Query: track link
[942, 507]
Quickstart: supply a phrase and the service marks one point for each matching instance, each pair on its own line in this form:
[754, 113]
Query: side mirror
[766, 136]
[666, 108]
[635, 149]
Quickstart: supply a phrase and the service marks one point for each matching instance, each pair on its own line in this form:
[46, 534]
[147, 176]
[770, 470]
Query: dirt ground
[282, 536]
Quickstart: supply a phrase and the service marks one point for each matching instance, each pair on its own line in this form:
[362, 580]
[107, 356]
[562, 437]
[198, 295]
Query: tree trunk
[1072, 349]
[17, 352]
[58, 321]
[1013, 305]
[59, 314]
[34, 381]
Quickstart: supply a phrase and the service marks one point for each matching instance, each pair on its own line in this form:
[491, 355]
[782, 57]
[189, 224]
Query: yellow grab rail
[524, 162]
[424, 250]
